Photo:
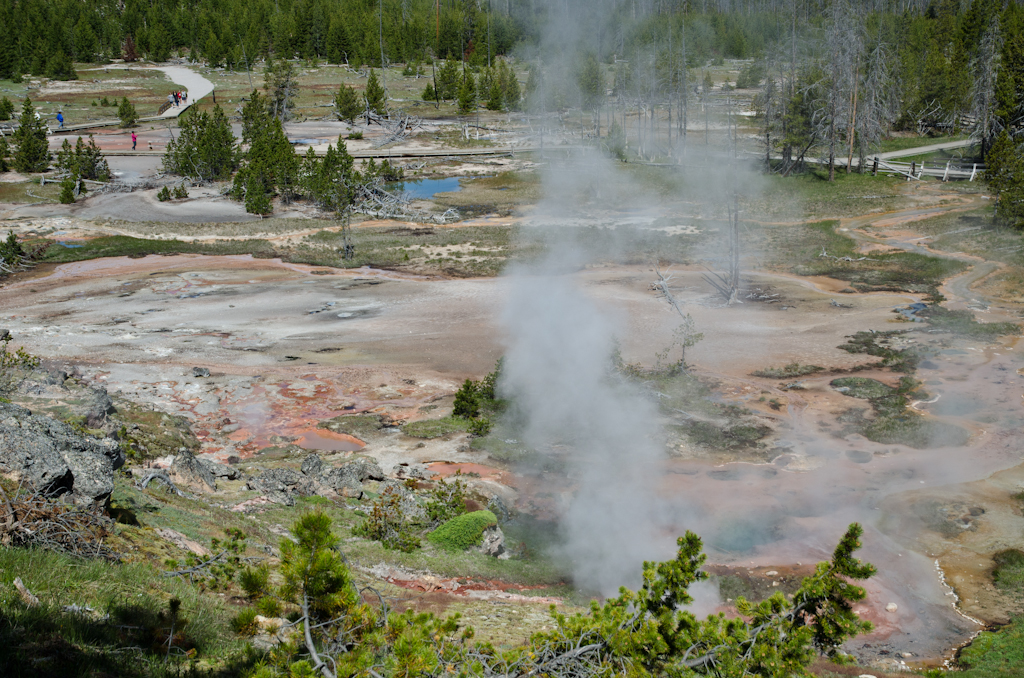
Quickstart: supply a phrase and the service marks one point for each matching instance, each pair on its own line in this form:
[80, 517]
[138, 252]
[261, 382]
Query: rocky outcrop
[316, 477]
[54, 458]
[191, 472]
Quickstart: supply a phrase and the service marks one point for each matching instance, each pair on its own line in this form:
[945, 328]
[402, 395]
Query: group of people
[177, 97]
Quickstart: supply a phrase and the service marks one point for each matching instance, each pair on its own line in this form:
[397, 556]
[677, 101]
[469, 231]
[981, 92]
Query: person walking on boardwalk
[60, 120]
[134, 139]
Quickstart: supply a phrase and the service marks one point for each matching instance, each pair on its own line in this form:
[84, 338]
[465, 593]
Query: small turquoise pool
[424, 189]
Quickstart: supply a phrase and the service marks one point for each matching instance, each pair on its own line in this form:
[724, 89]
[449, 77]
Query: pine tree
[4, 152]
[374, 95]
[1005, 176]
[428, 93]
[467, 401]
[67, 190]
[467, 93]
[282, 87]
[448, 80]
[205, 147]
[127, 114]
[59, 67]
[6, 109]
[588, 79]
[495, 98]
[509, 86]
[347, 104]
[32, 152]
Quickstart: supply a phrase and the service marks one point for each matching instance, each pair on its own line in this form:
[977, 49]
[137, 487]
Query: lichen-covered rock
[312, 465]
[191, 472]
[98, 406]
[277, 485]
[364, 468]
[220, 470]
[56, 459]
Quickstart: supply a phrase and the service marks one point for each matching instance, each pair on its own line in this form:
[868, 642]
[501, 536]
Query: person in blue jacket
[60, 120]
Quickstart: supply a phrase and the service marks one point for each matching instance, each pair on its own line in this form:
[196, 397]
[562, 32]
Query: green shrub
[67, 191]
[255, 580]
[480, 427]
[126, 113]
[448, 500]
[180, 192]
[164, 195]
[386, 522]
[244, 623]
[458, 534]
[467, 401]
[269, 607]
[355, 135]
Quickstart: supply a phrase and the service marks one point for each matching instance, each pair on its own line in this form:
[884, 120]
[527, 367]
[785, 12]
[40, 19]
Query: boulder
[192, 472]
[200, 372]
[219, 470]
[276, 484]
[404, 471]
[53, 458]
[493, 543]
[98, 406]
[312, 465]
[364, 468]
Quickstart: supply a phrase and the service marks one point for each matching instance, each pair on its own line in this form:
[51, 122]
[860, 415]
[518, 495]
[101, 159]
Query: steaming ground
[288, 347]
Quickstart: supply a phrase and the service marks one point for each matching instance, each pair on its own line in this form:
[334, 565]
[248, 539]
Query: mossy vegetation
[790, 371]
[995, 654]
[435, 428]
[462, 532]
[361, 426]
[1009, 571]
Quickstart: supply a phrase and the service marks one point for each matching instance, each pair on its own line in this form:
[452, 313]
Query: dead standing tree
[835, 91]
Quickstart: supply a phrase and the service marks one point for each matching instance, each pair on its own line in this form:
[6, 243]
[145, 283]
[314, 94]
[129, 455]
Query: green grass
[790, 371]
[130, 603]
[962, 323]
[1009, 572]
[459, 252]
[435, 428]
[464, 531]
[861, 387]
[359, 425]
[995, 654]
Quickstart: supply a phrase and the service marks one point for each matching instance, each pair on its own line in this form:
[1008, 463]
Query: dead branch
[26, 595]
[163, 478]
[37, 519]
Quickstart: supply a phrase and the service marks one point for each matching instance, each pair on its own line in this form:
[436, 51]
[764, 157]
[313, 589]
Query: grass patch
[880, 344]
[963, 324]
[359, 425]
[29, 192]
[1009, 572]
[125, 634]
[995, 654]
[894, 422]
[459, 252]
[435, 428]
[711, 436]
[861, 387]
[464, 531]
[789, 371]
[800, 248]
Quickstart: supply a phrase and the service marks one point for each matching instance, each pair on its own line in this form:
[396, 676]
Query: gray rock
[192, 472]
[220, 470]
[5, 335]
[99, 405]
[340, 478]
[277, 484]
[493, 543]
[312, 465]
[364, 468]
[54, 458]
[417, 471]
[200, 372]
